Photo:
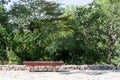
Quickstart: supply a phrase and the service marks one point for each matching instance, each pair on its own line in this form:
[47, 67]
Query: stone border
[13, 68]
[87, 67]
[61, 68]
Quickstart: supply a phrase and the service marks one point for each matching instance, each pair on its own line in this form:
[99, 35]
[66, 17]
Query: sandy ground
[70, 75]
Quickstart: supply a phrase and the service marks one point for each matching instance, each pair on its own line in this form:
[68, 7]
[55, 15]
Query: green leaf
[103, 1]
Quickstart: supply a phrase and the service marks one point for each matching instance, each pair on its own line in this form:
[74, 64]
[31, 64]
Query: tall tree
[3, 32]
[34, 26]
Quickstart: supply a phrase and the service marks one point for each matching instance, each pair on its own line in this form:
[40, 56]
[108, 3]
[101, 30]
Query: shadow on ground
[90, 72]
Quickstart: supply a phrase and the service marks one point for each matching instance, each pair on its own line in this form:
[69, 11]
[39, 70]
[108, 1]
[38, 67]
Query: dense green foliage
[41, 30]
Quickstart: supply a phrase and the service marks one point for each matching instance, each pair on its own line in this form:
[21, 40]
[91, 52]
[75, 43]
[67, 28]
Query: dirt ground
[69, 75]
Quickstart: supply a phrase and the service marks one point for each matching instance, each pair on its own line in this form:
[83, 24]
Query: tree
[93, 40]
[34, 28]
[87, 37]
[42, 30]
[3, 33]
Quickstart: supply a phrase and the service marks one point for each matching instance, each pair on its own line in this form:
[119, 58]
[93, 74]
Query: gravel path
[71, 75]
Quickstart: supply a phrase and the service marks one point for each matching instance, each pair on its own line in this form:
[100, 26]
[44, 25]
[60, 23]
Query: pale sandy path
[72, 75]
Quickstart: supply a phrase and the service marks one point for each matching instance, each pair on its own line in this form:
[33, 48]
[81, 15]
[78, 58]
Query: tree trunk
[109, 57]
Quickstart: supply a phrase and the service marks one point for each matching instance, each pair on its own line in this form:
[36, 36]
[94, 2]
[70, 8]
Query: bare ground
[70, 75]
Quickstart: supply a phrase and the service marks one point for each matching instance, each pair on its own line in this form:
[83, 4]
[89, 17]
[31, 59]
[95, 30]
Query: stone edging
[61, 68]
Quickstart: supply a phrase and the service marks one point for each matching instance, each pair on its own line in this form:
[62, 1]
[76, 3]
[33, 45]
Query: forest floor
[70, 75]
